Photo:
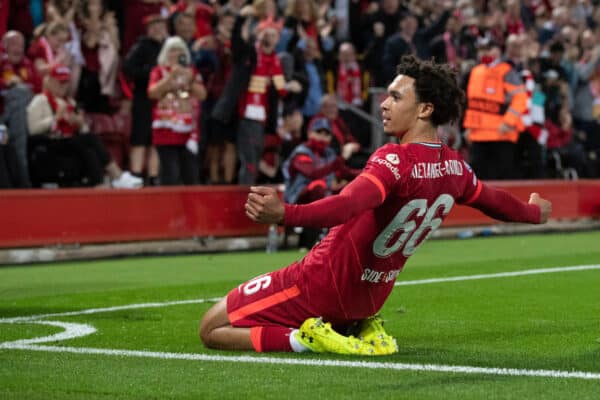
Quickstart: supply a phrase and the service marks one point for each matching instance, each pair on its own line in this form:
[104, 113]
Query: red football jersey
[351, 272]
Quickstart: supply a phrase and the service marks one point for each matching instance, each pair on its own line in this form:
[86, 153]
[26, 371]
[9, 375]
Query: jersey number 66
[404, 222]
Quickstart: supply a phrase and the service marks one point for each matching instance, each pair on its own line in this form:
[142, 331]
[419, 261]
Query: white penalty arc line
[317, 362]
[499, 275]
[75, 330]
[71, 331]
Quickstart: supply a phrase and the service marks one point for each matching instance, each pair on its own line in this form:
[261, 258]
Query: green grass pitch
[526, 323]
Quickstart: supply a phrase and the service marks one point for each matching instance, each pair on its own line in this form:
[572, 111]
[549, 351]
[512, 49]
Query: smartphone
[183, 61]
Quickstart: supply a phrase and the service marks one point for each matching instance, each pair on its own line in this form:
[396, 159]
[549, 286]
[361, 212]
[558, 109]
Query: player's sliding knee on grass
[376, 223]
[235, 324]
[313, 335]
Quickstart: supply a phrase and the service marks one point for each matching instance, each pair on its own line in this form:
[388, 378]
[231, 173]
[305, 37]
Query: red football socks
[271, 338]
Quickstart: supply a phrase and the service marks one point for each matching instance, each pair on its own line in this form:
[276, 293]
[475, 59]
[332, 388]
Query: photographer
[176, 89]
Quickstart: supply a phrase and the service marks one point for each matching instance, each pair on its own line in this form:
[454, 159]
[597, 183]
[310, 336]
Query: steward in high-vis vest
[496, 102]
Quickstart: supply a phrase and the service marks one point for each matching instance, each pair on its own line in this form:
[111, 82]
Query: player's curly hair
[435, 84]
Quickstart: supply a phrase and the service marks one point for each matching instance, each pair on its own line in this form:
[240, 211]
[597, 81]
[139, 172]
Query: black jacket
[139, 62]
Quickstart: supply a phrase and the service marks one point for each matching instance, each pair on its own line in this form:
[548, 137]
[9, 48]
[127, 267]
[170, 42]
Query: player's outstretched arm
[264, 206]
[503, 206]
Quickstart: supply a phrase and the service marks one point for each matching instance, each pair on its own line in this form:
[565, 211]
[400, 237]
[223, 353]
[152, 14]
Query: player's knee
[214, 318]
[204, 332]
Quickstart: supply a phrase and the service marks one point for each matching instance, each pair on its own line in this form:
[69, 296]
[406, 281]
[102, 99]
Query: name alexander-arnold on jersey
[424, 170]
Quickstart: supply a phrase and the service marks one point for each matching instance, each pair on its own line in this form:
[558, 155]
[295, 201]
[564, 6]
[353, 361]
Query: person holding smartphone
[176, 89]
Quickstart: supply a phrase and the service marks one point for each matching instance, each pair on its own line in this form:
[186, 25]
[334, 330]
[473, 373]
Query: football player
[377, 222]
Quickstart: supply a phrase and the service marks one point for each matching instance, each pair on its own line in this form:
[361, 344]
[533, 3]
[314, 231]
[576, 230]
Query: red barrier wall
[42, 217]
[570, 200]
[45, 217]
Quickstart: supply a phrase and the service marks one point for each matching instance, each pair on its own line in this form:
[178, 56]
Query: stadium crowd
[158, 92]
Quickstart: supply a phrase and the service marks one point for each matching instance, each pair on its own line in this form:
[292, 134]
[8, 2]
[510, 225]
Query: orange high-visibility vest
[495, 95]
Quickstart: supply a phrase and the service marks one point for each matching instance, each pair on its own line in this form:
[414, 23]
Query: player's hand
[544, 205]
[264, 206]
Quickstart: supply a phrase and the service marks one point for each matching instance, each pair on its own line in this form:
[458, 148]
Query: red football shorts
[269, 299]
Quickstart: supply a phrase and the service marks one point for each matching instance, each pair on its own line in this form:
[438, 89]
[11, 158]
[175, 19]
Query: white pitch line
[71, 331]
[543, 373]
[108, 309]
[499, 275]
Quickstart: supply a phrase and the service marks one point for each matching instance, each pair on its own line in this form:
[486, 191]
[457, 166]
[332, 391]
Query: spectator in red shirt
[513, 21]
[64, 11]
[176, 89]
[349, 79]
[255, 87]
[15, 66]
[50, 48]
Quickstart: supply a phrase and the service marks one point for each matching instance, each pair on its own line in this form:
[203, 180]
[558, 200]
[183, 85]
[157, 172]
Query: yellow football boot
[319, 337]
[371, 331]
